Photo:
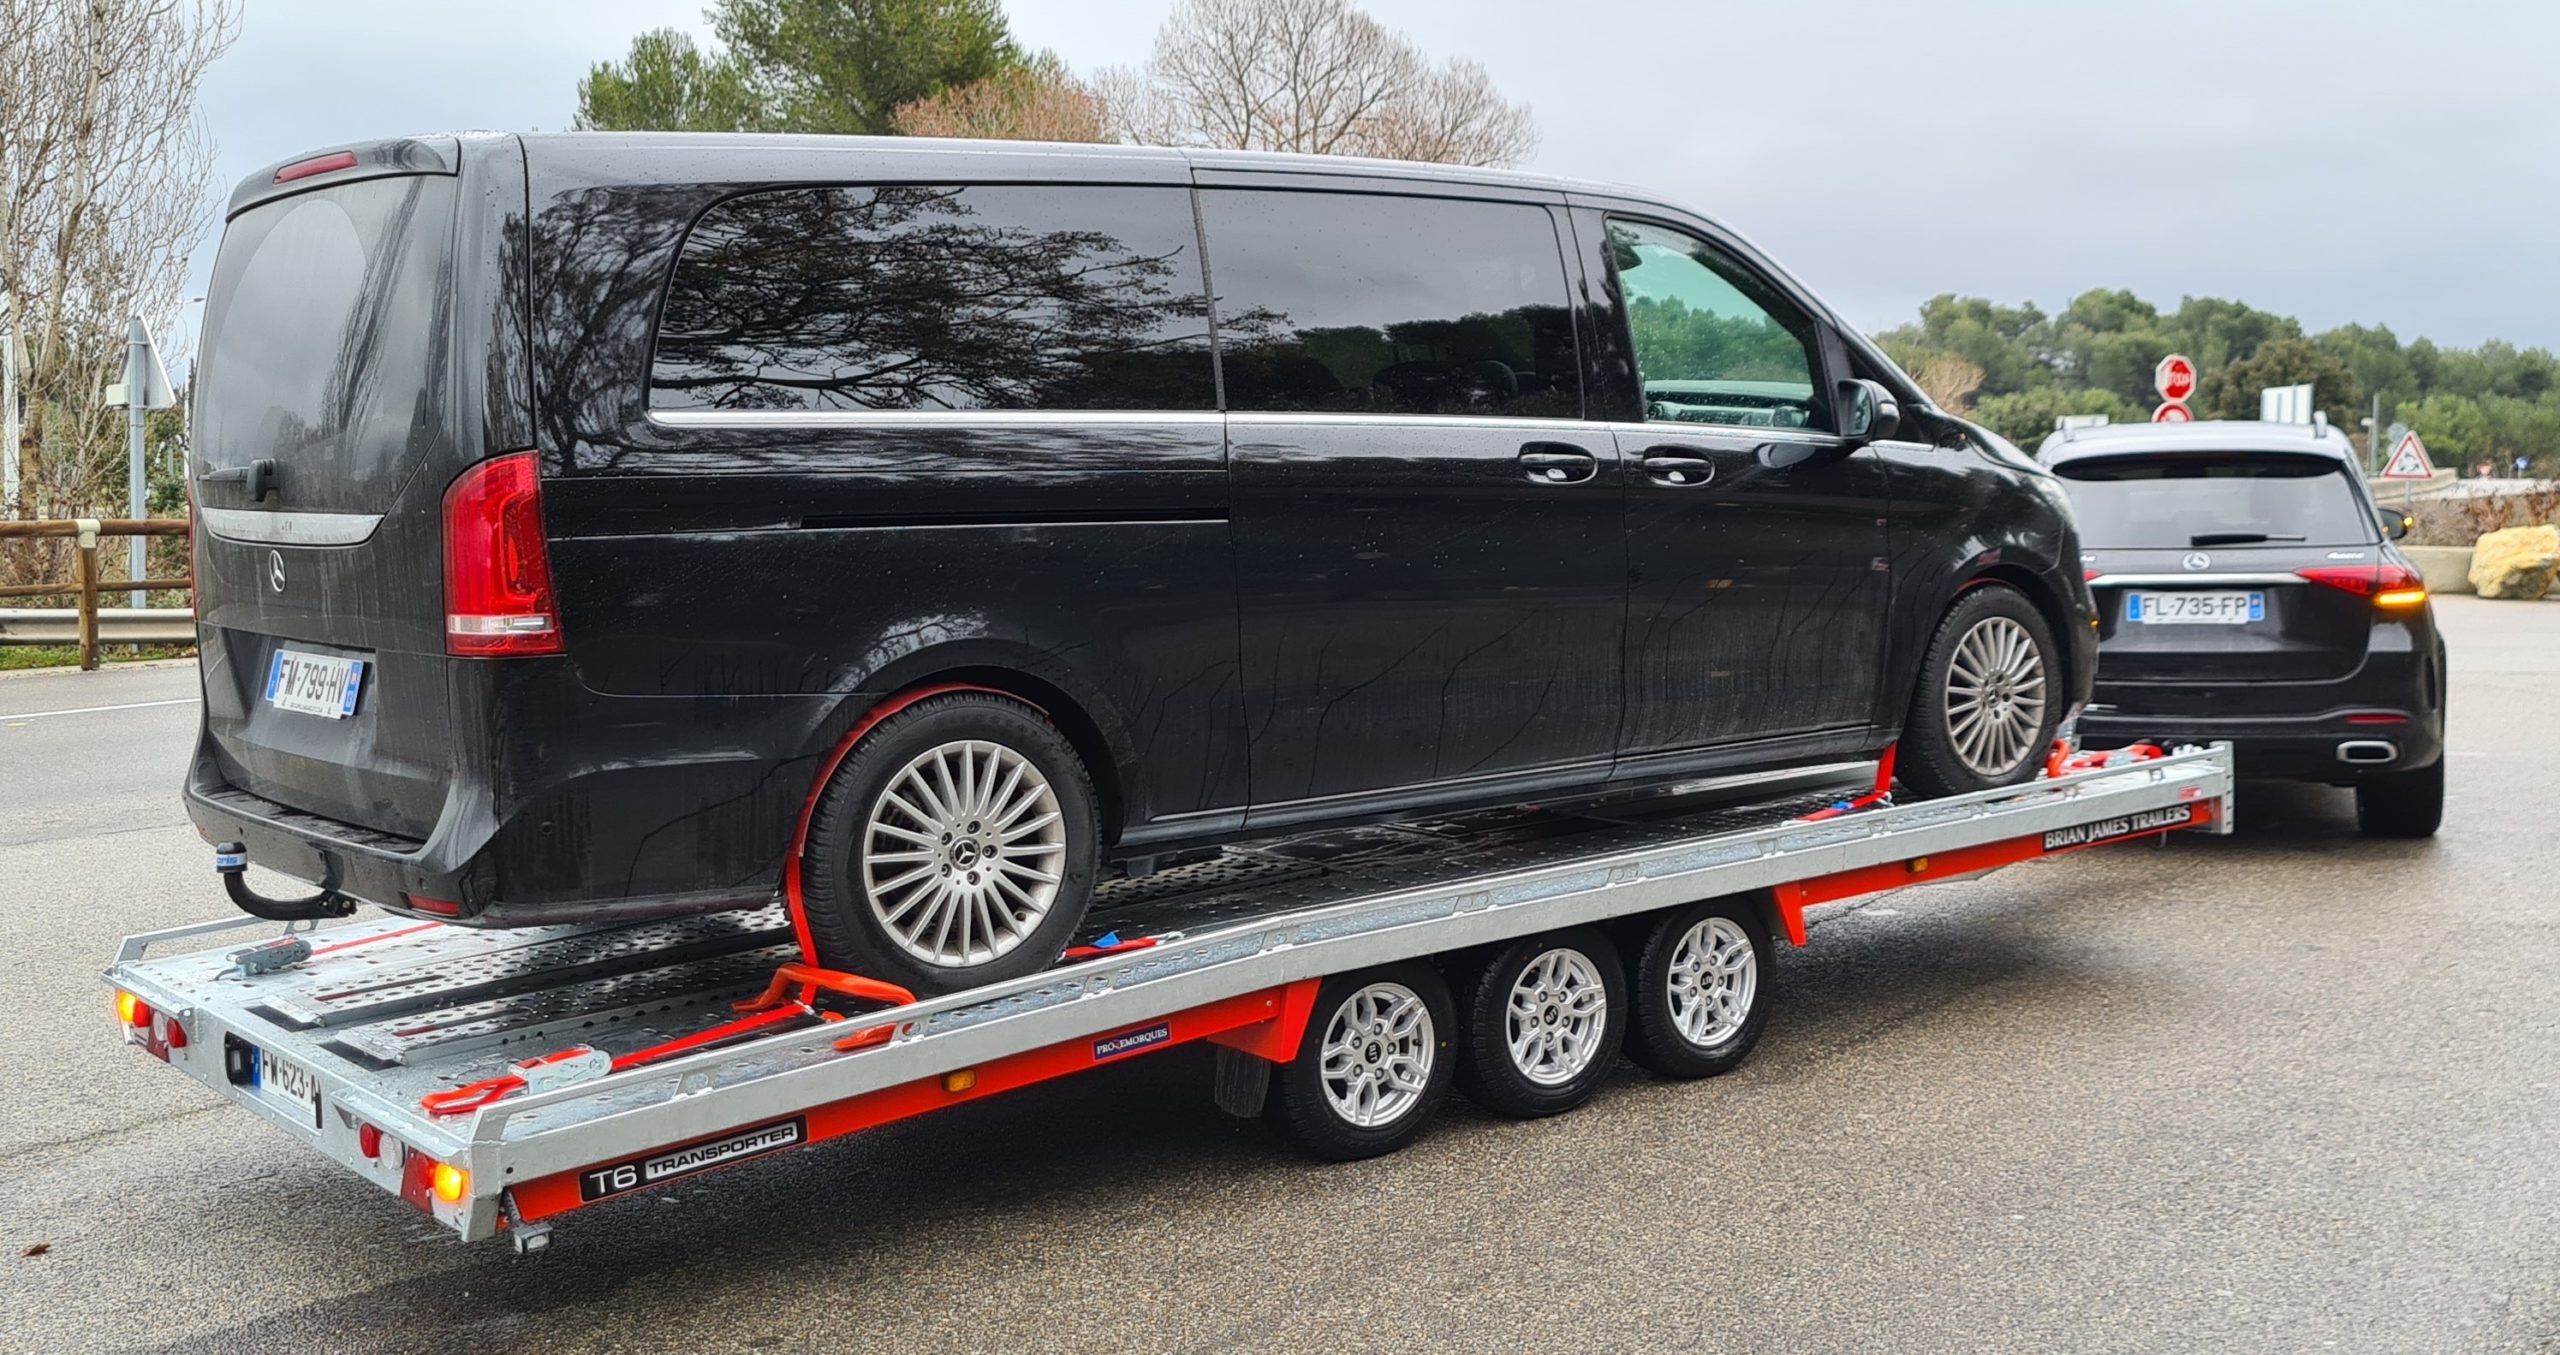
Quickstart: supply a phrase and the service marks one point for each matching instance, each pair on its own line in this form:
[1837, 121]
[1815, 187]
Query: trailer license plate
[314, 684]
[287, 1085]
[2208, 609]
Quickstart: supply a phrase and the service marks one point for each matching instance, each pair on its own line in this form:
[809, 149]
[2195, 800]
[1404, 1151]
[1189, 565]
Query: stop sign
[2175, 377]
[2172, 412]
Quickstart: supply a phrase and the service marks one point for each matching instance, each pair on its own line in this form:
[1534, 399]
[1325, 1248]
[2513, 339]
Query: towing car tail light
[2392, 587]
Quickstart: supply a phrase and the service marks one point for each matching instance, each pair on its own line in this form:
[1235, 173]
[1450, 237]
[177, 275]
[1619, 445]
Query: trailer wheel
[1374, 1065]
[1702, 989]
[1545, 1019]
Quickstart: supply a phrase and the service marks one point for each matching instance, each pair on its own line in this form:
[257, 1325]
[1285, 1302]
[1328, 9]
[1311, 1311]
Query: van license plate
[289, 1086]
[2207, 609]
[314, 684]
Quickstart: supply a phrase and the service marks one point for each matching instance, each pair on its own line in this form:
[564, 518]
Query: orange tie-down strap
[775, 1006]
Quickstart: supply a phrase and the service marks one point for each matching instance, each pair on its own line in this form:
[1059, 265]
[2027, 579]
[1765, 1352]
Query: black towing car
[2248, 590]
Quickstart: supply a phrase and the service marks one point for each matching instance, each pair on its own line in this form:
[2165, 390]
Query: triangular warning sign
[2409, 461]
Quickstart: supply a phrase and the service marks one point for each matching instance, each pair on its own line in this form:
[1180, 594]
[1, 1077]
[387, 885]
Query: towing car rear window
[2232, 499]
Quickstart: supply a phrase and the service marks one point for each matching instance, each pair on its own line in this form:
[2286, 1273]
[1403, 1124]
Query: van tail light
[2392, 587]
[497, 571]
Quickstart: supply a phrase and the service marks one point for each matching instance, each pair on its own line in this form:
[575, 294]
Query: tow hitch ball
[231, 862]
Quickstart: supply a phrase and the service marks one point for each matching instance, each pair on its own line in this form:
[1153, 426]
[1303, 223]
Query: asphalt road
[2286, 1091]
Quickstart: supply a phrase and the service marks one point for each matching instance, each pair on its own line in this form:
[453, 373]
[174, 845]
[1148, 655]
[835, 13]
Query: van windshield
[325, 331]
[2227, 499]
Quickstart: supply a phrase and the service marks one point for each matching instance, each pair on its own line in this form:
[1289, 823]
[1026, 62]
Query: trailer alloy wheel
[954, 846]
[1702, 989]
[1373, 1067]
[1544, 1022]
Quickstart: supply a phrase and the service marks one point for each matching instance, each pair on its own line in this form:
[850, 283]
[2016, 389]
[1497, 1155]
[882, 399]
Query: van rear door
[342, 383]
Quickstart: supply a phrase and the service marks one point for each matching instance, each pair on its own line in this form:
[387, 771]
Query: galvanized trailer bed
[338, 1050]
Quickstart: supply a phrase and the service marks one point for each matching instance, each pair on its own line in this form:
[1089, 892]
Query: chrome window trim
[264, 528]
[1255, 418]
[928, 418]
[1811, 437]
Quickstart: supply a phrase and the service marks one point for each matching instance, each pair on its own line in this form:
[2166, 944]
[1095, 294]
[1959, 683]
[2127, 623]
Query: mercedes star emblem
[275, 569]
[2195, 560]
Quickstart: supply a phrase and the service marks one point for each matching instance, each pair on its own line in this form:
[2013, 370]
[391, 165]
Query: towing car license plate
[314, 684]
[287, 1085]
[2205, 609]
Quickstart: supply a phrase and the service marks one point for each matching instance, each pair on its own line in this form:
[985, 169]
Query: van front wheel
[954, 846]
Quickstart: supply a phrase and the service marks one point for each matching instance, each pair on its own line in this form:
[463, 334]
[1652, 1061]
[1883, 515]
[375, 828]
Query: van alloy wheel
[1995, 696]
[963, 853]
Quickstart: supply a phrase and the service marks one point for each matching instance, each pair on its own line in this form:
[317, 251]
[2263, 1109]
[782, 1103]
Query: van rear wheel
[954, 846]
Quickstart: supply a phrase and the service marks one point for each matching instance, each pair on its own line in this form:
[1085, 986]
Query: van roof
[692, 145]
[2211, 435]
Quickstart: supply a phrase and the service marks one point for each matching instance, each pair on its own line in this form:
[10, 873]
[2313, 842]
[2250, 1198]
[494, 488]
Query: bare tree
[1949, 381]
[104, 170]
[1038, 101]
[1316, 76]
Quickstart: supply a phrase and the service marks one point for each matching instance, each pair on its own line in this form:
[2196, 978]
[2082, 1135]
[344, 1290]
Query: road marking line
[97, 710]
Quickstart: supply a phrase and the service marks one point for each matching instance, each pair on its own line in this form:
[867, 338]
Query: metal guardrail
[88, 625]
[115, 626]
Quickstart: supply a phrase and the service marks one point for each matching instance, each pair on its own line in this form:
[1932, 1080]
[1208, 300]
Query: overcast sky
[2339, 160]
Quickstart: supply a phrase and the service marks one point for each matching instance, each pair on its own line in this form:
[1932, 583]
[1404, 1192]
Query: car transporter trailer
[498, 1079]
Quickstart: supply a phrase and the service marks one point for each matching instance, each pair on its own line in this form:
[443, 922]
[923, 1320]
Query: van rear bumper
[597, 840]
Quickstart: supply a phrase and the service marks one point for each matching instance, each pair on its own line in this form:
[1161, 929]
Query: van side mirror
[1868, 412]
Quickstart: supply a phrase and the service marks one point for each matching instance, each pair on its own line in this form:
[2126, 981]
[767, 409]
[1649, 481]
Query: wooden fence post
[86, 539]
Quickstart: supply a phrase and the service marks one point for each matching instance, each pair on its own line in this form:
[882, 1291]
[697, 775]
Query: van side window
[1371, 304]
[905, 297]
[1713, 344]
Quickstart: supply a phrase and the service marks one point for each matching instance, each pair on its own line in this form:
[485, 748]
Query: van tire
[857, 906]
[1936, 756]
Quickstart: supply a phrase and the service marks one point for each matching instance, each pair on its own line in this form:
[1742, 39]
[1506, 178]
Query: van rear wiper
[2238, 538]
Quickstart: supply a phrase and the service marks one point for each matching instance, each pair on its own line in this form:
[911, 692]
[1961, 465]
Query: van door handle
[1672, 464]
[1557, 463]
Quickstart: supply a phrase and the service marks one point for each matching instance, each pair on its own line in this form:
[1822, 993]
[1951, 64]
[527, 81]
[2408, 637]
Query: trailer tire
[1340, 1099]
[852, 898]
[1545, 1018]
[1702, 989]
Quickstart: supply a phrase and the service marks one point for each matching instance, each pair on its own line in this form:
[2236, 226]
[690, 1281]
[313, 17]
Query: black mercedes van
[603, 526]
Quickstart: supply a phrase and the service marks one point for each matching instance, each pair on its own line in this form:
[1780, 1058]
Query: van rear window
[2227, 499]
[921, 297]
[325, 338]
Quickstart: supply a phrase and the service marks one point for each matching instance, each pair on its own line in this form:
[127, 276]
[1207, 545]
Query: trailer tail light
[450, 1183]
[133, 1011]
[497, 570]
[2393, 587]
[318, 164]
